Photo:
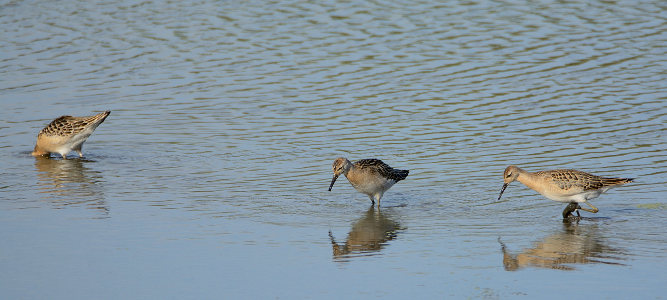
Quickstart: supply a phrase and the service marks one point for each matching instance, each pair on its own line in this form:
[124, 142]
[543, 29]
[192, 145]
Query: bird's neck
[530, 180]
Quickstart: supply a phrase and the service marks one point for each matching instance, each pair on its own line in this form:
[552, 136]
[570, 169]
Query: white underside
[375, 188]
[580, 197]
[74, 143]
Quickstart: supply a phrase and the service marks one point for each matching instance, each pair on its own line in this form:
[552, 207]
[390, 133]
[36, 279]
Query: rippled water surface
[209, 178]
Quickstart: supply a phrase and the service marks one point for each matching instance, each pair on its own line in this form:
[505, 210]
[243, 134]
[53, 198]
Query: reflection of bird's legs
[593, 210]
[572, 207]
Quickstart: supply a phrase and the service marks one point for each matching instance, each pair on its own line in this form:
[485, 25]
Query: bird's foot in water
[570, 208]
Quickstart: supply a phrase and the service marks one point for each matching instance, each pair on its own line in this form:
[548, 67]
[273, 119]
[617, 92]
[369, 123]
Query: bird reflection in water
[70, 182]
[575, 244]
[368, 235]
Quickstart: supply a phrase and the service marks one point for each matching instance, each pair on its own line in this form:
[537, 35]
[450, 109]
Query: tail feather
[401, 174]
[616, 181]
[103, 115]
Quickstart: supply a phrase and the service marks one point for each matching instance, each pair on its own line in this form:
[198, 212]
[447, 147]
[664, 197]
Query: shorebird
[67, 133]
[570, 186]
[369, 176]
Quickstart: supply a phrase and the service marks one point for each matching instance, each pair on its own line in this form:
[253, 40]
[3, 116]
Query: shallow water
[209, 178]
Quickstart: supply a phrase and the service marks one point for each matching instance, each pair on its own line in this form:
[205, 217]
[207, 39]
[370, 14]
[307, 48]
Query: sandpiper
[67, 133]
[570, 186]
[369, 176]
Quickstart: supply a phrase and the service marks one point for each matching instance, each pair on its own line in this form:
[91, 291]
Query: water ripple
[451, 91]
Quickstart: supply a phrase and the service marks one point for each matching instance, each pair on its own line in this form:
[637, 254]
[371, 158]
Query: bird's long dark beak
[501, 191]
[332, 182]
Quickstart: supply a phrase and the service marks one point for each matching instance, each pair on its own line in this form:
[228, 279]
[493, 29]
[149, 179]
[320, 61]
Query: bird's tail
[401, 174]
[101, 116]
[617, 181]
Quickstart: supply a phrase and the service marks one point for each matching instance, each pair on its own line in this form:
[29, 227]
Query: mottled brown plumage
[67, 125]
[573, 179]
[564, 185]
[66, 134]
[369, 176]
[383, 169]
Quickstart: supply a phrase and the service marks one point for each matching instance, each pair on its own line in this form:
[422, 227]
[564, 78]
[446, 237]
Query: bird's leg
[570, 208]
[372, 200]
[567, 212]
[78, 150]
[593, 208]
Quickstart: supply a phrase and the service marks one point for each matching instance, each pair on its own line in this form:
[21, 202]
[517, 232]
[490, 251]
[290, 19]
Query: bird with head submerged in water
[66, 134]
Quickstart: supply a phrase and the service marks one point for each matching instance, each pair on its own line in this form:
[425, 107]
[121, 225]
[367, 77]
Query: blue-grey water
[209, 178]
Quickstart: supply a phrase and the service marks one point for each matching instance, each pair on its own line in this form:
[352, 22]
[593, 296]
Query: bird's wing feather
[383, 169]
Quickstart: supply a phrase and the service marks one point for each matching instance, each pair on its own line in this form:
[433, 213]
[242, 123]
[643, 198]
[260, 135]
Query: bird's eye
[508, 175]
